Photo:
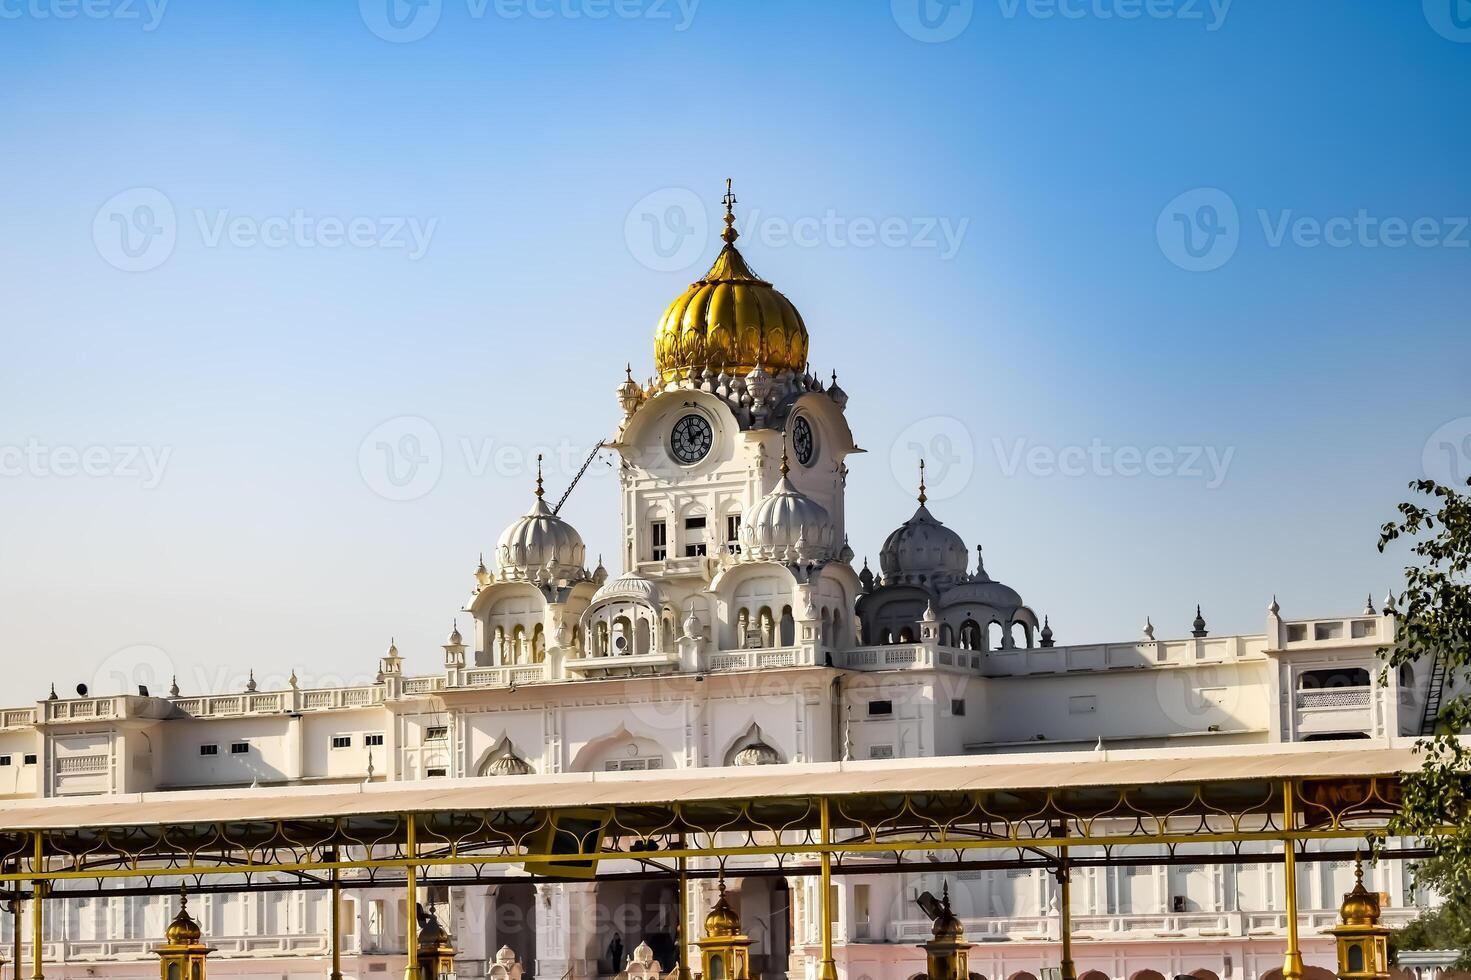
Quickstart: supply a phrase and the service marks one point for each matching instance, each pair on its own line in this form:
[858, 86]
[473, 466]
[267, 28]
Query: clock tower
[702, 441]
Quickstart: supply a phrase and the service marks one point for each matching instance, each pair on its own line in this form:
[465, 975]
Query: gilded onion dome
[1360, 906]
[183, 931]
[541, 544]
[730, 320]
[722, 919]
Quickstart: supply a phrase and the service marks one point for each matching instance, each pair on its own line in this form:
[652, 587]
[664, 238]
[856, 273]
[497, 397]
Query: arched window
[906, 635]
[743, 626]
[622, 637]
[947, 635]
[644, 628]
[518, 645]
[993, 635]
[666, 639]
[840, 640]
[970, 635]
[538, 644]
[788, 627]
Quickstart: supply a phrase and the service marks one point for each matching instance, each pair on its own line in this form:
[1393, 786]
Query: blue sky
[242, 238]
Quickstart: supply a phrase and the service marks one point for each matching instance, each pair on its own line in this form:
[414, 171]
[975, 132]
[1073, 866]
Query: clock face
[691, 439]
[802, 442]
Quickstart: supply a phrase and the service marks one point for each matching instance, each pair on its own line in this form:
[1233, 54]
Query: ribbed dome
[1360, 906]
[508, 763]
[787, 525]
[922, 549]
[631, 585]
[988, 593]
[758, 753]
[722, 919]
[540, 537]
[183, 931]
[730, 320]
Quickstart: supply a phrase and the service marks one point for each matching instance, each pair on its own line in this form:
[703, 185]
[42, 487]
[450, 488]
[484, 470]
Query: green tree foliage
[1448, 926]
[1434, 620]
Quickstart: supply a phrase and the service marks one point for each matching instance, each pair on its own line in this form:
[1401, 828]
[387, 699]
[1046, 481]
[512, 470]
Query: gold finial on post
[729, 235]
[539, 491]
[785, 469]
[922, 495]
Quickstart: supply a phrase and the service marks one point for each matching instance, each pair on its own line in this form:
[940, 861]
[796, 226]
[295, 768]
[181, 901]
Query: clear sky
[1173, 295]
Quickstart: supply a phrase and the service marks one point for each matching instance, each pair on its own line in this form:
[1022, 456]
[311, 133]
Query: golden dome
[1360, 906]
[947, 924]
[183, 931]
[730, 320]
[722, 920]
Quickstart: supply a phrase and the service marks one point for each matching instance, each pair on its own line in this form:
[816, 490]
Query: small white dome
[787, 525]
[987, 592]
[922, 550]
[541, 543]
[758, 753]
[630, 585]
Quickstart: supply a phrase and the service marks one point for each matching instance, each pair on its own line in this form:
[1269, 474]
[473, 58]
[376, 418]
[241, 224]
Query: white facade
[738, 631]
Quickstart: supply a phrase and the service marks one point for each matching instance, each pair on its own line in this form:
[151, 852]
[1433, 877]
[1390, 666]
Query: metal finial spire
[785, 469]
[539, 491]
[922, 495]
[729, 235]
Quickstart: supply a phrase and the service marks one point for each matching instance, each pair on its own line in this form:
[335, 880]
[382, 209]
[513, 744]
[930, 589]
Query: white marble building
[738, 631]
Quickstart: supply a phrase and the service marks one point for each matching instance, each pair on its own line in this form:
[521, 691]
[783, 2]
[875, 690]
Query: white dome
[631, 585]
[787, 525]
[922, 550]
[986, 592]
[541, 544]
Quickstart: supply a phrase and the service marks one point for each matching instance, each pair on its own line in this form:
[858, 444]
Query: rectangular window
[209, 750]
[4, 760]
[694, 550]
[880, 708]
[376, 738]
[436, 733]
[30, 759]
[881, 752]
[957, 707]
[694, 524]
[658, 540]
[632, 765]
[434, 771]
[694, 537]
[239, 748]
[733, 534]
[342, 741]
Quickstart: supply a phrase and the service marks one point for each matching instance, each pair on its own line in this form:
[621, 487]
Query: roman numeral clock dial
[691, 439]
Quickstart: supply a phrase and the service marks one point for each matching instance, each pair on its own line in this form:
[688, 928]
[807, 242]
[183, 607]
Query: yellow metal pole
[1292, 968]
[38, 915]
[336, 925]
[1065, 887]
[829, 968]
[411, 849]
[681, 962]
[17, 927]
